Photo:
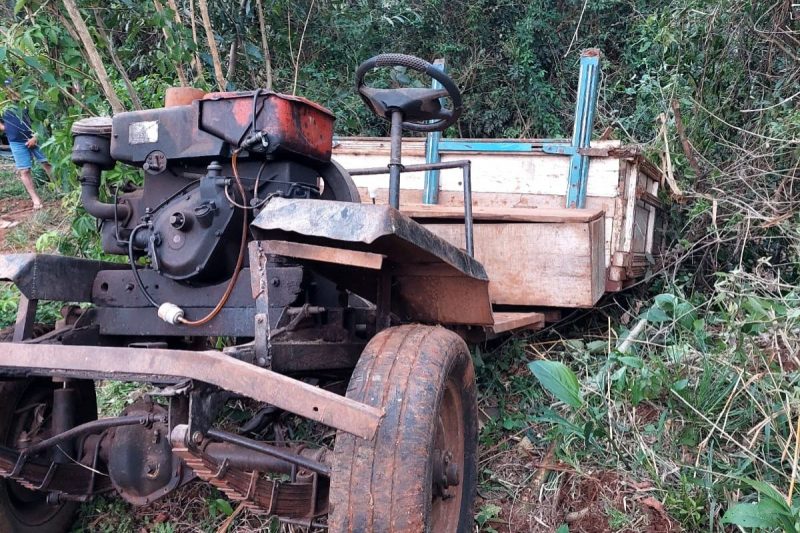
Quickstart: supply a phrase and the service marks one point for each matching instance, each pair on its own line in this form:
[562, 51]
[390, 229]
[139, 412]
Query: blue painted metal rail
[430, 194]
[585, 107]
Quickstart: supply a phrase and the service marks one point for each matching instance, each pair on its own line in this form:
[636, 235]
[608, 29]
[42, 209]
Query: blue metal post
[430, 194]
[585, 107]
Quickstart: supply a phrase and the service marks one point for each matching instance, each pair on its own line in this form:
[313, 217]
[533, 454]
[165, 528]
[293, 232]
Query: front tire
[420, 471]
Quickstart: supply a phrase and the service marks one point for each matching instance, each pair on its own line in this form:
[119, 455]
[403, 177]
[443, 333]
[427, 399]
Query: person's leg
[23, 162]
[26, 177]
[42, 159]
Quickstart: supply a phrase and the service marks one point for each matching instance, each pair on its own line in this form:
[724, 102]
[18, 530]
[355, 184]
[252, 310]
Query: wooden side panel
[538, 264]
[624, 186]
[597, 232]
[508, 200]
[515, 173]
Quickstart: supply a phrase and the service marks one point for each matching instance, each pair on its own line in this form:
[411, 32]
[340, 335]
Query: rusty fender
[207, 366]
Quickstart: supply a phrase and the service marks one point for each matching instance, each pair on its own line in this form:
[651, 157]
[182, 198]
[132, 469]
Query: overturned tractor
[245, 229]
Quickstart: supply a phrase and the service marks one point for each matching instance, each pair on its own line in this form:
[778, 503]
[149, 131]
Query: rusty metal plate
[433, 281]
[323, 254]
[385, 230]
[53, 277]
[209, 367]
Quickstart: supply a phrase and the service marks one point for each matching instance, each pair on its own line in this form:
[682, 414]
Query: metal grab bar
[466, 168]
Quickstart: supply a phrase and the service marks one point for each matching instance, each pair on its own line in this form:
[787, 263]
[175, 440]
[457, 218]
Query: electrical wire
[132, 260]
[255, 192]
[239, 261]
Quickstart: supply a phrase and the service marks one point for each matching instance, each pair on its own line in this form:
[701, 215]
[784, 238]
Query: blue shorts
[23, 156]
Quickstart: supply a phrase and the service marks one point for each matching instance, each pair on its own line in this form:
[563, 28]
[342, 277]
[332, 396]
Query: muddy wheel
[419, 473]
[25, 410]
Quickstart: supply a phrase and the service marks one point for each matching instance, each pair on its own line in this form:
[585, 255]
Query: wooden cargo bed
[538, 253]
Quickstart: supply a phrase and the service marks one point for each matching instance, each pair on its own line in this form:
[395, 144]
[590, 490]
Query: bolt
[151, 470]
[260, 319]
[129, 286]
[262, 361]
[276, 282]
[197, 437]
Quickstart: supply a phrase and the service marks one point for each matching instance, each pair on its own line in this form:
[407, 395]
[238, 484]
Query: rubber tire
[384, 485]
[11, 392]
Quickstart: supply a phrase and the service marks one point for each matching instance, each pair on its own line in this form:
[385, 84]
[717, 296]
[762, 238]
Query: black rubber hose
[90, 196]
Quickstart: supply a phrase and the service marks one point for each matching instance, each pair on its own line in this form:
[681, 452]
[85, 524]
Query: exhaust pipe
[91, 150]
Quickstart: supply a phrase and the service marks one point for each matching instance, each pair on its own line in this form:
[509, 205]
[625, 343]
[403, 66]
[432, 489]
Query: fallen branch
[633, 334]
[668, 174]
[687, 147]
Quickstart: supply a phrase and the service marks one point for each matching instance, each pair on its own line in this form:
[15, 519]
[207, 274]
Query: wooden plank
[502, 214]
[537, 264]
[324, 254]
[381, 145]
[626, 238]
[26, 315]
[611, 206]
[523, 173]
[599, 269]
[506, 321]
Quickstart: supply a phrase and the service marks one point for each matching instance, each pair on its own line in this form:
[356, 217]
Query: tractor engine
[210, 161]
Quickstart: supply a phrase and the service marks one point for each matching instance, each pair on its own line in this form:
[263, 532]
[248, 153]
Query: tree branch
[101, 29]
[264, 44]
[198, 65]
[212, 45]
[178, 67]
[94, 56]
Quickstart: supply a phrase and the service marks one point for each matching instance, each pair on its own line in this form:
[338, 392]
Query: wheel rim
[447, 469]
[30, 507]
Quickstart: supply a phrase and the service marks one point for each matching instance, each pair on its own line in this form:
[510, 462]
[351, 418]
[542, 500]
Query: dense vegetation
[702, 411]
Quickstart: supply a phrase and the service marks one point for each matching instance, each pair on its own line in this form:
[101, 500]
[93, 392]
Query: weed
[114, 396]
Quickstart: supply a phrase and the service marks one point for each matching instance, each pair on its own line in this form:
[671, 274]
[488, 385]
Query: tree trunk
[234, 50]
[212, 45]
[137, 103]
[178, 67]
[264, 44]
[232, 57]
[94, 56]
[198, 65]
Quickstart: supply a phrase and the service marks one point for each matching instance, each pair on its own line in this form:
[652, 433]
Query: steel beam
[208, 366]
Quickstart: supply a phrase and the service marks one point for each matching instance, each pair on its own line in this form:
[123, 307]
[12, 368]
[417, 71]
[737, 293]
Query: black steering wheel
[421, 108]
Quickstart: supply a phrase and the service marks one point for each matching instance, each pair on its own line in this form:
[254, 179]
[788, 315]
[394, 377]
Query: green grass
[10, 186]
[695, 414]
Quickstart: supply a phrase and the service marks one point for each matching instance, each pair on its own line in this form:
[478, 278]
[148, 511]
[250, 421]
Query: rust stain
[242, 111]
